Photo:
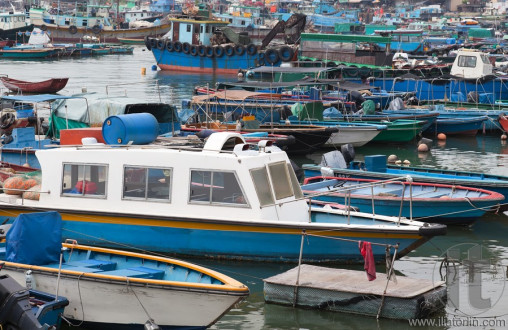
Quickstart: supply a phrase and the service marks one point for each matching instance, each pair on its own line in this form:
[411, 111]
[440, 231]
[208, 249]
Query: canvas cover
[35, 239]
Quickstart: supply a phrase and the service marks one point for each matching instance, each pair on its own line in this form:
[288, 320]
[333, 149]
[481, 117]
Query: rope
[135, 294]
[82, 308]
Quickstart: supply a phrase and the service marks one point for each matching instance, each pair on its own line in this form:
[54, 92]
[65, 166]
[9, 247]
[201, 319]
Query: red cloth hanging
[368, 256]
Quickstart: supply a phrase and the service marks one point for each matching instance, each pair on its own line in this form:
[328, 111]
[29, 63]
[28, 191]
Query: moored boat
[52, 85]
[375, 167]
[116, 288]
[246, 203]
[423, 201]
[457, 126]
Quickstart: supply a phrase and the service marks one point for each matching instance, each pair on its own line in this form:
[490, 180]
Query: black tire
[73, 29]
[209, 51]
[202, 50]
[331, 64]
[252, 49]
[229, 50]
[147, 43]
[44, 27]
[170, 46]
[271, 56]
[218, 51]
[286, 53]
[261, 59]
[96, 29]
[160, 44]
[153, 43]
[239, 50]
[193, 50]
[177, 46]
[186, 48]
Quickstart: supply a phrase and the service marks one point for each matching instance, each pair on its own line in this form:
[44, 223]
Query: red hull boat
[47, 86]
[503, 120]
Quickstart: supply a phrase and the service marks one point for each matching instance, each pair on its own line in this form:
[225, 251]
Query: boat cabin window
[215, 187]
[84, 180]
[262, 186]
[188, 28]
[280, 179]
[467, 61]
[294, 182]
[147, 183]
[485, 59]
[207, 29]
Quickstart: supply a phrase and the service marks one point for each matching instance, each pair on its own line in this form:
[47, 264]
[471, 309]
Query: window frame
[83, 195]
[211, 202]
[288, 180]
[146, 198]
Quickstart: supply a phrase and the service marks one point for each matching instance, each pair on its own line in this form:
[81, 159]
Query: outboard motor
[348, 152]
[16, 312]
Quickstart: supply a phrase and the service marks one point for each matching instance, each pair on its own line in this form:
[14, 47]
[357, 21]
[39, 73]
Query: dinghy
[111, 288]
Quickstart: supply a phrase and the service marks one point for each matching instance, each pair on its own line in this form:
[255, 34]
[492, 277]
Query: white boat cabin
[224, 180]
[12, 20]
[194, 32]
[471, 64]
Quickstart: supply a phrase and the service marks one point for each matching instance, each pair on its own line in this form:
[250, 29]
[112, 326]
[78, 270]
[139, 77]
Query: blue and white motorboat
[422, 201]
[112, 288]
[457, 126]
[375, 167]
[225, 200]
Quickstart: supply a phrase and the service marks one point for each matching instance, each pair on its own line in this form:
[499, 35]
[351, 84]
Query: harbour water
[121, 74]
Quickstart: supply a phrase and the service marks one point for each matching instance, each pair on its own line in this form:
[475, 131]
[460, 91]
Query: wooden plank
[354, 281]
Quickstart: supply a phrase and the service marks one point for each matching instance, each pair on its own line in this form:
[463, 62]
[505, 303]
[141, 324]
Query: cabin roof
[36, 98]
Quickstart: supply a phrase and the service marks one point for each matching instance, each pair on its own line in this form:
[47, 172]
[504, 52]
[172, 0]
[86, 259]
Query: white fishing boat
[113, 288]
[224, 200]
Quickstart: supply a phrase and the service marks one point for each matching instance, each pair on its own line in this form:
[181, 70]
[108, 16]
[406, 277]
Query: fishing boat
[399, 130]
[457, 126]
[12, 23]
[52, 85]
[415, 200]
[116, 288]
[90, 20]
[132, 41]
[375, 167]
[28, 53]
[202, 44]
[246, 204]
[503, 121]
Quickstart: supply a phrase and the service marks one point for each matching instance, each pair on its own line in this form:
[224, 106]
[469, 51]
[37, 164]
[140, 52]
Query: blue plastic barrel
[140, 128]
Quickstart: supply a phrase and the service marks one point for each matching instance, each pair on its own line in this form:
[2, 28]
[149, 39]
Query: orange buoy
[441, 136]
[423, 148]
[503, 137]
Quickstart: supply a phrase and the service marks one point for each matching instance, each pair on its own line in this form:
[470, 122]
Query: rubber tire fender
[229, 50]
[170, 46]
[7, 120]
[218, 51]
[73, 29]
[286, 53]
[252, 49]
[147, 43]
[202, 50]
[96, 29]
[186, 48]
[177, 46]
[160, 44]
[209, 51]
[193, 50]
[239, 50]
[271, 56]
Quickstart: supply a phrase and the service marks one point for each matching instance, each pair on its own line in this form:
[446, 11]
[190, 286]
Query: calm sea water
[121, 75]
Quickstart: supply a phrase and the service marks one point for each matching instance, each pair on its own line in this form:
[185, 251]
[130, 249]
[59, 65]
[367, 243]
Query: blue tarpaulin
[35, 239]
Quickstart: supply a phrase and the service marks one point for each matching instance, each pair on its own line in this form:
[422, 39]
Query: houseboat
[224, 200]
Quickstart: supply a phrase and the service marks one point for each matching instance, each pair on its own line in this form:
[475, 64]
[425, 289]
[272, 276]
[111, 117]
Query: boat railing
[404, 181]
[157, 87]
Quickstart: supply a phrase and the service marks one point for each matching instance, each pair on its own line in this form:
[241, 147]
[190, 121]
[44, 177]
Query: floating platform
[349, 291]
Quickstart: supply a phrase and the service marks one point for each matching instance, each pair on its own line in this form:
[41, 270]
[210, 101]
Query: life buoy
[193, 50]
[73, 29]
[170, 46]
[186, 47]
[160, 44]
[229, 50]
[271, 56]
[218, 51]
[96, 29]
[202, 50]
[286, 53]
[177, 46]
[44, 27]
[239, 50]
[147, 43]
[7, 120]
[209, 51]
[252, 49]
[153, 43]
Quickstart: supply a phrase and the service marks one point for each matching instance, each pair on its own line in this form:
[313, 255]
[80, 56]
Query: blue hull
[203, 64]
[458, 126]
[226, 244]
[425, 90]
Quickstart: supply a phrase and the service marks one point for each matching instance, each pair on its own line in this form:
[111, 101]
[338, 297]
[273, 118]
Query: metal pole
[295, 292]
[387, 281]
